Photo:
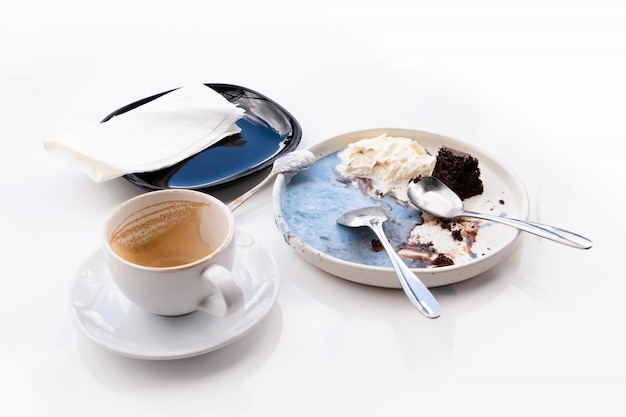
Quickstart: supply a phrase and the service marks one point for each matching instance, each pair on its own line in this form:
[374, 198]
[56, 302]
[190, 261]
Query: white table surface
[539, 84]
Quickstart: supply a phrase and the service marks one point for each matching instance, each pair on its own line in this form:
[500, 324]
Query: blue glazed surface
[230, 159]
[313, 201]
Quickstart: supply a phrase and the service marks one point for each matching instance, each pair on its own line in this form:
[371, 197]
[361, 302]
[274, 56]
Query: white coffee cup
[172, 252]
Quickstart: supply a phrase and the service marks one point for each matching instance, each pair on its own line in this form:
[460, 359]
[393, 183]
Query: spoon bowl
[295, 161]
[418, 293]
[434, 197]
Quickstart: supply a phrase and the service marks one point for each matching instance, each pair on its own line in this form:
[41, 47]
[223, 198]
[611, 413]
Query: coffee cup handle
[225, 295]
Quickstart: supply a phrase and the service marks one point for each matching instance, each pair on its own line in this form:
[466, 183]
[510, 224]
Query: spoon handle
[239, 200]
[417, 292]
[549, 232]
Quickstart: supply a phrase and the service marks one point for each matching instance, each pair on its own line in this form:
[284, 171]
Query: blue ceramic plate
[267, 131]
[307, 205]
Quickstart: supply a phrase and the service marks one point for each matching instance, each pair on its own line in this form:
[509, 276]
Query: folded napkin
[156, 135]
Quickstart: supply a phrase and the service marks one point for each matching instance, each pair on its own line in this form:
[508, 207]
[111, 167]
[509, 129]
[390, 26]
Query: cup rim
[207, 197]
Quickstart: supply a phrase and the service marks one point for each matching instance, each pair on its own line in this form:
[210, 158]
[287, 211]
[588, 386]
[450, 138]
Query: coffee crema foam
[162, 235]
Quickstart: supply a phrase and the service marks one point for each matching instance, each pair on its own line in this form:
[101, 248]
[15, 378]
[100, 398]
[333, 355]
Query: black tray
[267, 131]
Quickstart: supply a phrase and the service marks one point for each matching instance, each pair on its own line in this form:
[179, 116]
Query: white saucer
[109, 319]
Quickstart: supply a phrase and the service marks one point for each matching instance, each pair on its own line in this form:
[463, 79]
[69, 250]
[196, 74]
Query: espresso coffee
[162, 235]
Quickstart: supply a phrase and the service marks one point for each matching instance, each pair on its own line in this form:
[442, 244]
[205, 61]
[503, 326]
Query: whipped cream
[389, 162]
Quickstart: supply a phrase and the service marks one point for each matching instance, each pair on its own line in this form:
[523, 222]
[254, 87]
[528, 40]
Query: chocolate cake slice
[459, 171]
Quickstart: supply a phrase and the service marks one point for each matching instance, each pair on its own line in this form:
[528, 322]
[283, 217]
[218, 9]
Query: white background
[538, 84]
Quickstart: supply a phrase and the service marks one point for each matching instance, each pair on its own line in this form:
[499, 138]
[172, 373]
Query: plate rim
[291, 144]
[379, 276]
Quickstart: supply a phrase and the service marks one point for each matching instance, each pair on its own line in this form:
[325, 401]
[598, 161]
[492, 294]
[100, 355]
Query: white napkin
[156, 135]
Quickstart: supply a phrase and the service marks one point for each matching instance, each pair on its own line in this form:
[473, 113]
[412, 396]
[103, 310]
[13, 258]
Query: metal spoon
[292, 162]
[434, 197]
[418, 293]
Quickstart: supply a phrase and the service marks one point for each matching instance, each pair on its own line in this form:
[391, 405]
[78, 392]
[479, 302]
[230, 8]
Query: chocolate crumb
[377, 245]
[442, 260]
[445, 224]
